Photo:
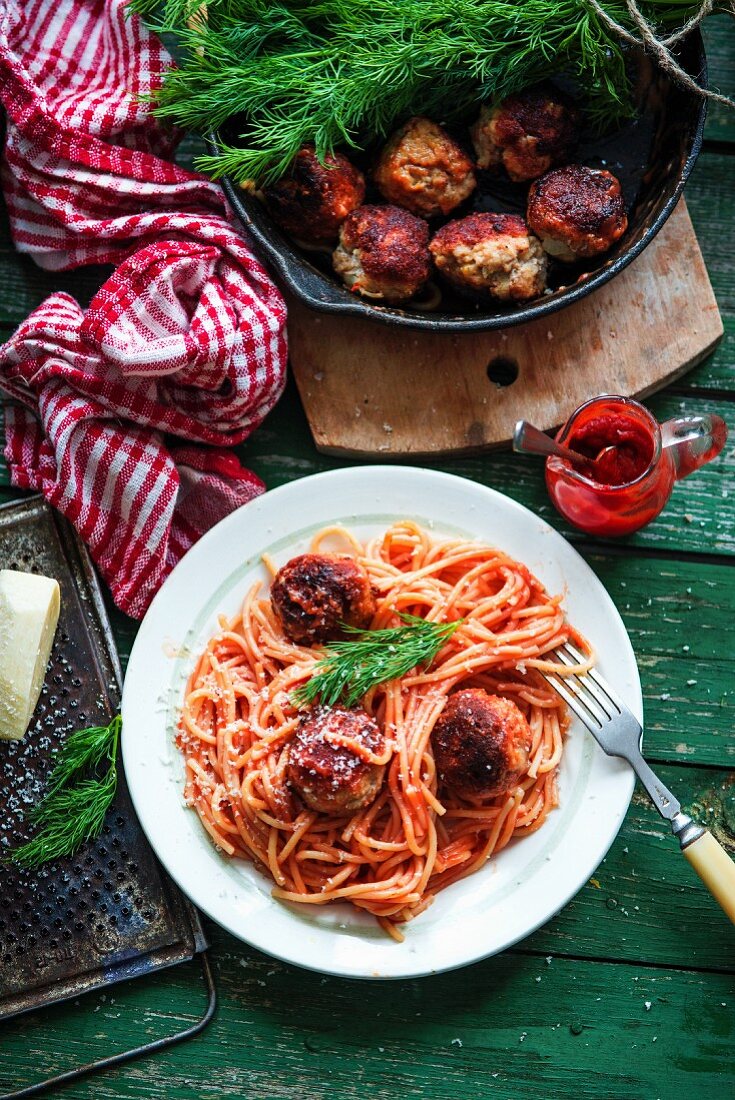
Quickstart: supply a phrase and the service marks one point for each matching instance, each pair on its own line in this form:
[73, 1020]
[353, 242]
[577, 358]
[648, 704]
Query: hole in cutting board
[502, 370]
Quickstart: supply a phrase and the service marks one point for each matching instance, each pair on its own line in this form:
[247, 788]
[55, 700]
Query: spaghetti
[391, 857]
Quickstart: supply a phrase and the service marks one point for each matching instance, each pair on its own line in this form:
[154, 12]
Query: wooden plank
[644, 901]
[710, 199]
[719, 43]
[697, 518]
[714, 374]
[511, 1027]
[694, 520]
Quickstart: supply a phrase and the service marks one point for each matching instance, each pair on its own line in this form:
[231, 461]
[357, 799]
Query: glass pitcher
[648, 457]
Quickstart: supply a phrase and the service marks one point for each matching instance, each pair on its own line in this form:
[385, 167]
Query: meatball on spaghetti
[383, 253]
[312, 200]
[491, 254]
[314, 594]
[481, 744]
[577, 211]
[424, 170]
[526, 134]
[336, 760]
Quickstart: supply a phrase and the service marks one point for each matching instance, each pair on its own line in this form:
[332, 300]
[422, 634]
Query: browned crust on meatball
[527, 133]
[476, 228]
[313, 199]
[481, 744]
[424, 169]
[491, 254]
[391, 246]
[579, 206]
[328, 775]
[313, 594]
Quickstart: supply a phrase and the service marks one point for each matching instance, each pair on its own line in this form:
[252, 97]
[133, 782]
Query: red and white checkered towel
[185, 339]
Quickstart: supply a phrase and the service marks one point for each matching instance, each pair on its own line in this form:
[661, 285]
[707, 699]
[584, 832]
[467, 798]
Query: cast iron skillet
[652, 156]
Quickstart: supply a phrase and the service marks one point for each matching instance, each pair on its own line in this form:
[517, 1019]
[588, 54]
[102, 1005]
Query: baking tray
[109, 913]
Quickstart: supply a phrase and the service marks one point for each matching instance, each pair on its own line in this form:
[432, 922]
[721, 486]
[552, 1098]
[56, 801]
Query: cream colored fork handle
[716, 870]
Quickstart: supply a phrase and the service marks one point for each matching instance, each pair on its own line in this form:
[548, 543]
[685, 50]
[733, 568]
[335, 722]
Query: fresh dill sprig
[350, 669]
[345, 72]
[81, 788]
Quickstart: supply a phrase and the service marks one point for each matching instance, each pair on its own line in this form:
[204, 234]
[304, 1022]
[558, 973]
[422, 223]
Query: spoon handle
[531, 440]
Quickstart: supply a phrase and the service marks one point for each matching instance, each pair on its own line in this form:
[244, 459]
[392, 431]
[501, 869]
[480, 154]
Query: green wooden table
[628, 993]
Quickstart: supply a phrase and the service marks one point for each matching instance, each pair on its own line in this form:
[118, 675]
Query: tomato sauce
[620, 449]
[627, 480]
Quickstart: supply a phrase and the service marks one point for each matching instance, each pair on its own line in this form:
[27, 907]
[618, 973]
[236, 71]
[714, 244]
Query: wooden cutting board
[372, 391]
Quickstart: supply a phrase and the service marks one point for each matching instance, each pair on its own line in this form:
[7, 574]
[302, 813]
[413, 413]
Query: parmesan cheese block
[29, 612]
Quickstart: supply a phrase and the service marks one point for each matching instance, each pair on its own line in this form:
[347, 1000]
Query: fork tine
[594, 675]
[588, 698]
[588, 684]
[585, 716]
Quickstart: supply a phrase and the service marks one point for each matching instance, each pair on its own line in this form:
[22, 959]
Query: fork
[618, 732]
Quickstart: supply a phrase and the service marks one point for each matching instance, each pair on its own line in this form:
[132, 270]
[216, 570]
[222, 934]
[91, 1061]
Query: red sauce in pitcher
[633, 463]
[629, 476]
[619, 448]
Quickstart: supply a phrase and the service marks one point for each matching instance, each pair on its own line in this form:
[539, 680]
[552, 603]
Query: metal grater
[109, 913]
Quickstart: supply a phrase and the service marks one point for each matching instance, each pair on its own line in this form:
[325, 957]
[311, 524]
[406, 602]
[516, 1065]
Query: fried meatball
[491, 254]
[577, 211]
[328, 773]
[314, 593]
[423, 169]
[383, 253]
[526, 134]
[481, 744]
[312, 200]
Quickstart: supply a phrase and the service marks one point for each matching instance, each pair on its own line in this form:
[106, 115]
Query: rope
[660, 48]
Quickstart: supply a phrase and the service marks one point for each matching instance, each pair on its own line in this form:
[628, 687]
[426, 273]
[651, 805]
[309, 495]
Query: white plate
[519, 889]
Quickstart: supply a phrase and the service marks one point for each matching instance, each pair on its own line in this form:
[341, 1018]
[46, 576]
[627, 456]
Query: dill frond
[349, 669]
[344, 72]
[73, 809]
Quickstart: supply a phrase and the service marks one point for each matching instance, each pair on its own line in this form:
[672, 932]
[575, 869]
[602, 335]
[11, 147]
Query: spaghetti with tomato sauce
[416, 829]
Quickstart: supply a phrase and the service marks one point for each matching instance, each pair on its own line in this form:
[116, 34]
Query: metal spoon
[530, 440]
